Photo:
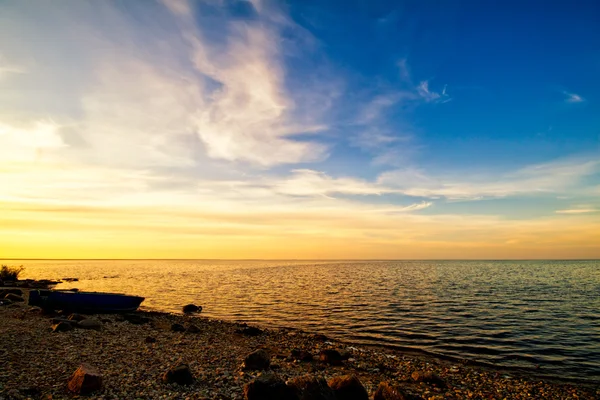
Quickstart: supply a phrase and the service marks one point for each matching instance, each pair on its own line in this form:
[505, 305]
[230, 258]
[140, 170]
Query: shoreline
[35, 360]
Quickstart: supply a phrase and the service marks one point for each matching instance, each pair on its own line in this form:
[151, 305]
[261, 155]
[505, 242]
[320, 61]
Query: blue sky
[452, 120]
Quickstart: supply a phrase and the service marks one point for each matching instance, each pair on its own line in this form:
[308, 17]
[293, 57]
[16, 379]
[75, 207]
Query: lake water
[532, 314]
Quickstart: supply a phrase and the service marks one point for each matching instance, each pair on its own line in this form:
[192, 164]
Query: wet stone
[348, 387]
[311, 387]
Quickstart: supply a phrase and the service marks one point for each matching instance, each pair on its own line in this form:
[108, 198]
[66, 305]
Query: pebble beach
[133, 354]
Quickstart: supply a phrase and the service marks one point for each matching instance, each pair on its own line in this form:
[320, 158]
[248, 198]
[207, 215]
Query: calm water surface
[508, 313]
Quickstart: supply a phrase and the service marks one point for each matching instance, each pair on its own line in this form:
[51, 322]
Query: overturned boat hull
[84, 302]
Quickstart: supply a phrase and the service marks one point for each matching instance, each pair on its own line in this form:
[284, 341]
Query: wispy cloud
[573, 97]
[554, 177]
[578, 211]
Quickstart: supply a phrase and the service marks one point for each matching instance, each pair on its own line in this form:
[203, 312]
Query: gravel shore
[37, 363]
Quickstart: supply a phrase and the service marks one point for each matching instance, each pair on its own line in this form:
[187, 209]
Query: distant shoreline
[300, 259]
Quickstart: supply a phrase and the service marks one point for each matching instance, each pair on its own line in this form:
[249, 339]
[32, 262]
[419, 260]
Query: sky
[299, 129]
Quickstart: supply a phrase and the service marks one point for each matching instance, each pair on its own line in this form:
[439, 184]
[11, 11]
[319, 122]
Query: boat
[84, 302]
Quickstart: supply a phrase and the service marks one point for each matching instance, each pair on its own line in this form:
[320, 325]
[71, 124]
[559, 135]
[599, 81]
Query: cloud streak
[573, 97]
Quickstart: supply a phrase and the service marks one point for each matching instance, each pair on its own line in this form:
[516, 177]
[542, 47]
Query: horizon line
[300, 259]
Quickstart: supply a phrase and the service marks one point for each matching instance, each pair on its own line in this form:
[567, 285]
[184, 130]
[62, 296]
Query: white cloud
[160, 93]
[573, 97]
[554, 177]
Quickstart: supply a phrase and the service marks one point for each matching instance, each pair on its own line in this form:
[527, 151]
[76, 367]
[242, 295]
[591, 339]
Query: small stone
[348, 387]
[301, 355]
[76, 317]
[90, 324]
[257, 360]
[150, 339]
[332, 357]
[269, 387]
[177, 328]
[192, 329]
[249, 331]
[135, 319]
[427, 377]
[191, 308]
[85, 380]
[179, 374]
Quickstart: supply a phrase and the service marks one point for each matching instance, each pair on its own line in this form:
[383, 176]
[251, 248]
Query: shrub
[10, 273]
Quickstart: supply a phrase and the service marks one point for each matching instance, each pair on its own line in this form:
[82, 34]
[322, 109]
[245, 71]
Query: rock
[85, 380]
[257, 360]
[30, 391]
[179, 374]
[428, 377]
[348, 387]
[301, 355]
[192, 329]
[191, 308]
[90, 324]
[269, 387]
[70, 279]
[135, 319]
[177, 328]
[15, 298]
[332, 357]
[61, 319]
[312, 388]
[4, 292]
[150, 339]
[249, 331]
[76, 317]
[62, 327]
[387, 392]
[320, 337]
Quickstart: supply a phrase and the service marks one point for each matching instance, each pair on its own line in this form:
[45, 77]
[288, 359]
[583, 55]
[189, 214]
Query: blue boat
[84, 302]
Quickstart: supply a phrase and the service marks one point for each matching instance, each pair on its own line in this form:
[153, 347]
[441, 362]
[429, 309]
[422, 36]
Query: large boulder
[332, 357]
[310, 387]
[90, 324]
[385, 391]
[191, 308]
[257, 360]
[269, 387]
[348, 387]
[85, 380]
[179, 374]
[62, 327]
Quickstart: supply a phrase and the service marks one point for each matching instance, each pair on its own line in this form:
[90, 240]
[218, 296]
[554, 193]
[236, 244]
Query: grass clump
[10, 273]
